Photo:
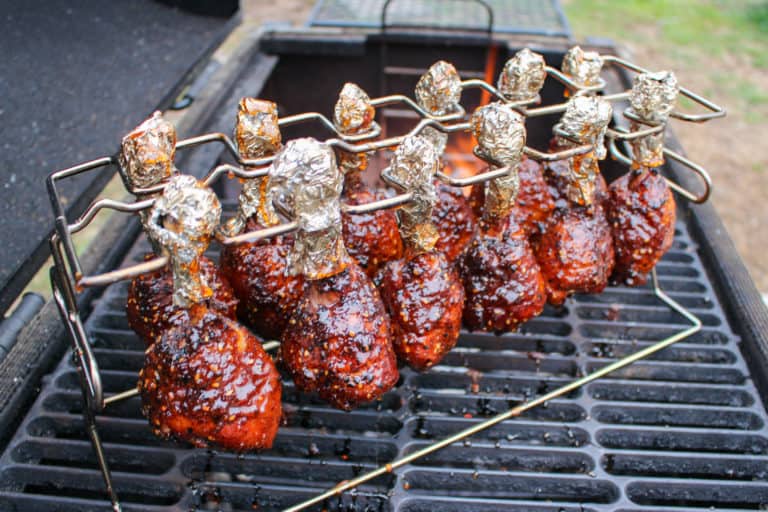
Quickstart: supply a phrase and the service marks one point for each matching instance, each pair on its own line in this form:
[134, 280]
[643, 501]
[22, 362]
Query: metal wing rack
[68, 279]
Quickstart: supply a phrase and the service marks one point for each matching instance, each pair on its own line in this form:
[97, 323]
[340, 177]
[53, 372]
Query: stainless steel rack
[67, 277]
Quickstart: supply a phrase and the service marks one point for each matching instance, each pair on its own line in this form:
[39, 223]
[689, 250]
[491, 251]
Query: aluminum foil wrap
[304, 178]
[652, 99]
[182, 221]
[439, 89]
[257, 134]
[500, 133]
[585, 121]
[353, 114]
[523, 77]
[438, 139]
[413, 169]
[582, 67]
[147, 152]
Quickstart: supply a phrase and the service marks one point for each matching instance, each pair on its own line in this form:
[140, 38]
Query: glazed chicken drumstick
[502, 279]
[371, 239]
[207, 379]
[640, 206]
[146, 158]
[258, 273]
[422, 292]
[575, 252]
[337, 341]
[438, 92]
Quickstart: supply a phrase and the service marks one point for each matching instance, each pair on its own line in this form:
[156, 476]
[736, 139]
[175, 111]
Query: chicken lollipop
[575, 252]
[422, 291]
[267, 293]
[371, 239]
[207, 379]
[438, 92]
[640, 207]
[337, 341]
[146, 160]
[503, 283]
[520, 81]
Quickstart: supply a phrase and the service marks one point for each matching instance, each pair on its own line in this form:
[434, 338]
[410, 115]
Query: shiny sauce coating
[502, 280]
[337, 342]
[424, 297]
[149, 307]
[454, 220]
[208, 381]
[259, 277]
[575, 252]
[372, 239]
[641, 212]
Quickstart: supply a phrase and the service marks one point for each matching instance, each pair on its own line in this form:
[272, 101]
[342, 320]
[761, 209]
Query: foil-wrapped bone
[582, 67]
[353, 114]
[500, 133]
[523, 77]
[147, 153]
[257, 132]
[585, 121]
[257, 135]
[146, 159]
[439, 89]
[652, 99]
[305, 180]
[182, 221]
[413, 169]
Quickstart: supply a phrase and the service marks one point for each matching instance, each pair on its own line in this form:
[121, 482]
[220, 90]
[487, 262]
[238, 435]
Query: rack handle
[485, 5]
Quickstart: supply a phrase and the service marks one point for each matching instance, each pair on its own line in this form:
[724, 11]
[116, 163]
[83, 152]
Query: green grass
[718, 27]
[724, 43]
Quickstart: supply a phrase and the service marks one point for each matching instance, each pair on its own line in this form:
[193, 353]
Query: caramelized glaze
[259, 278]
[641, 213]
[502, 280]
[454, 220]
[372, 239]
[337, 341]
[208, 381]
[150, 299]
[424, 297]
[575, 252]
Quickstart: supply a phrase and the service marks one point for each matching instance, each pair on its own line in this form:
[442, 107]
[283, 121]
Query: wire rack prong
[67, 279]
[628, 160]
[715, 110]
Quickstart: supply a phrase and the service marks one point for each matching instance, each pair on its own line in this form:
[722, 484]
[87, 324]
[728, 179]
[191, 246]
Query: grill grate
[535, 17]
[685, 429]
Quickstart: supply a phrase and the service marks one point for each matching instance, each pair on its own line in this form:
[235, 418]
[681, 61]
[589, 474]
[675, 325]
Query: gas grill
[685, 429]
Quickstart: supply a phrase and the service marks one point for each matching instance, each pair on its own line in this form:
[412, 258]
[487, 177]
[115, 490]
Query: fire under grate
[683, 430]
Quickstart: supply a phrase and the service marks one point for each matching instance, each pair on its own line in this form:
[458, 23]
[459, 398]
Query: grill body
[685, 430]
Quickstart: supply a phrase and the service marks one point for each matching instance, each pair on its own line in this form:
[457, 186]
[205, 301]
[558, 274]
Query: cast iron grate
[684, 430]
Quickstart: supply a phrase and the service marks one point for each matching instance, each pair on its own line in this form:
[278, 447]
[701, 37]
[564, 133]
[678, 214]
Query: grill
[684, 430]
